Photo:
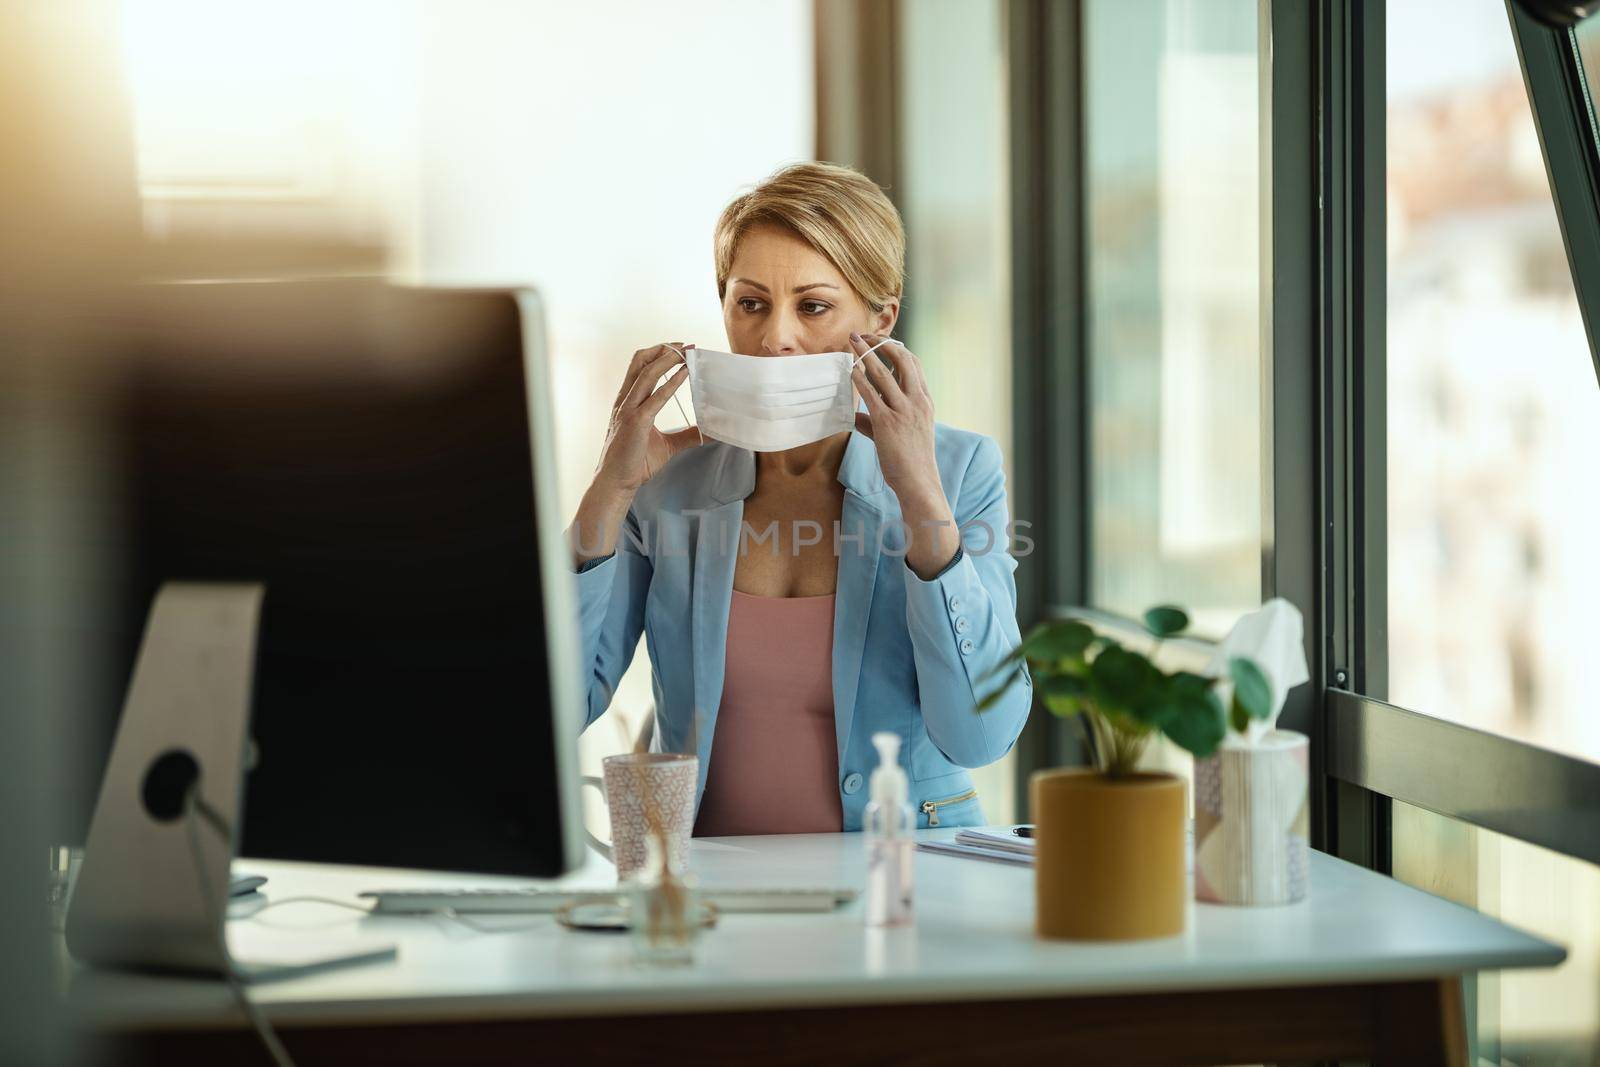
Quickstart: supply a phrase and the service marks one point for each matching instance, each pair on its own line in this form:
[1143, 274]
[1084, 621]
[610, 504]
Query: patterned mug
[636, 783]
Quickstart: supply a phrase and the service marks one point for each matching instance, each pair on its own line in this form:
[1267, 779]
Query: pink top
[774, 762]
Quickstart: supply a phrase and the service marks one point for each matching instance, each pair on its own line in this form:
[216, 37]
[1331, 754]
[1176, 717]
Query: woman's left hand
[899, 416]
[899, 419]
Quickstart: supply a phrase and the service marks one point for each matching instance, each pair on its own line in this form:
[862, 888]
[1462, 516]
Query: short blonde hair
[838, 211]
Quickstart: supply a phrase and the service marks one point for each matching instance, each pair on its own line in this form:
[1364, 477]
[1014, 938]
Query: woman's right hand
[634, 449]
[633, 452]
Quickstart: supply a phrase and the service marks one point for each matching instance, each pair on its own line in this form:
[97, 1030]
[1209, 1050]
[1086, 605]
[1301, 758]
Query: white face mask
[772, 403]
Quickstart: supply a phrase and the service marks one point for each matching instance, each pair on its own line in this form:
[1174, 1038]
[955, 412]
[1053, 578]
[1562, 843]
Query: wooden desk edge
[1413, 1022]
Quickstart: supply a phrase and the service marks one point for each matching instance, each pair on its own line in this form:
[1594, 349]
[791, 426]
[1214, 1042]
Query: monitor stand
[152, 891]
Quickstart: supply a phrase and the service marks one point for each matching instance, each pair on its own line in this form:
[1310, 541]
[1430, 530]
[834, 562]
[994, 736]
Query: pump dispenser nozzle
[888, 781]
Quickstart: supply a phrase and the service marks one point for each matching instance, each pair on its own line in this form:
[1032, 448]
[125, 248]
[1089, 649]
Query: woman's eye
[814, 307]
[750, 305]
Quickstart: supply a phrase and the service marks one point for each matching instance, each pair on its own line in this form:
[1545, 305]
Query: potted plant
[1111, 839]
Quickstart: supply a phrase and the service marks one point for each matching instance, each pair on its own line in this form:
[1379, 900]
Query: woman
[788, 613]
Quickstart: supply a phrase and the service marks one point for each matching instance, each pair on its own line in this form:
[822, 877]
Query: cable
[448, 913]
[362, 908]
[196, 809]
[194, 806]
[472, 924]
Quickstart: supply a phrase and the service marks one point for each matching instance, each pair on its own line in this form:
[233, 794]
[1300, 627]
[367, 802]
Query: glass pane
[1531, 1018]
[517, 185]
[1587, 36]
[954, 195]
[1494, 416]
[1174, 315]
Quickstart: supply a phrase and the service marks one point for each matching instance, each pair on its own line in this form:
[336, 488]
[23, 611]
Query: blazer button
[962, 625]
[966, 647]
[852, 784]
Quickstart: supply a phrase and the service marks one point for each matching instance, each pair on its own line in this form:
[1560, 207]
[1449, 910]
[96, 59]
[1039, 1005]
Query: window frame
[1324, 384]
[1569, 139]
[1373, 751]
[1050, 383]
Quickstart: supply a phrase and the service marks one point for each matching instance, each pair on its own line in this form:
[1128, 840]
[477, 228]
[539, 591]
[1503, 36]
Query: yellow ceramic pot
[1110, 861]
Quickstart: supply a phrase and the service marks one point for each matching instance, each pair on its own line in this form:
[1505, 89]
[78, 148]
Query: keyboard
[770, 899]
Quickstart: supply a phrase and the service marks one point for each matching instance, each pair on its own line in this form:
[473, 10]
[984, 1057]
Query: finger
[909, 370]
[858, 346]
[868, 391]
[632, 372]
[880, 375]
[645, 383]
[864, 424]
[658, 399]
[683, 440]
[640, 359]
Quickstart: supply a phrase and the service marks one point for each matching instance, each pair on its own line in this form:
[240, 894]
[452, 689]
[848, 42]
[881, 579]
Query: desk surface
[973, 940]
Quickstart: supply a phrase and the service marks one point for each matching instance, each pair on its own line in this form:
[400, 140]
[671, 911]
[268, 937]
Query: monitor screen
[366, 453]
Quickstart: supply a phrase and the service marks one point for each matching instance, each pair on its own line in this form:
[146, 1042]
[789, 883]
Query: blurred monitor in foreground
[379, 458]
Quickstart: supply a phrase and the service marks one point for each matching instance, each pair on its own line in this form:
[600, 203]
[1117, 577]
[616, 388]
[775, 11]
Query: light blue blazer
[909, 656]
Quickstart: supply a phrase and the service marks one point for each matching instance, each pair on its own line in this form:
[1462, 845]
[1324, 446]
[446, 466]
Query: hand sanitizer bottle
[888, 824]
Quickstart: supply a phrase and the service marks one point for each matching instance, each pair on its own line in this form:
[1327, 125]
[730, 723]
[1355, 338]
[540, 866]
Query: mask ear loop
[874, 348]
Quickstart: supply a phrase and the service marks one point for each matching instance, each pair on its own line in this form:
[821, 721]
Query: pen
[1023, 831]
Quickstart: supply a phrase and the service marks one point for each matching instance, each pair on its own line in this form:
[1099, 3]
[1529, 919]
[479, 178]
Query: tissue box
[1252, 821]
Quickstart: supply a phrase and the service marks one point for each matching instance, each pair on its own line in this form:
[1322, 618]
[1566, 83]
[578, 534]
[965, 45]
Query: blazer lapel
[852, 605]
[866, 506]
[715, 556]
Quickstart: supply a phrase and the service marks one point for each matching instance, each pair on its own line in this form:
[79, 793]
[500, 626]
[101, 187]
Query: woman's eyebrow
[796, 289]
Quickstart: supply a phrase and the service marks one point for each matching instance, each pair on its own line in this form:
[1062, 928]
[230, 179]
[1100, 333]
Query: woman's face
[784, 298]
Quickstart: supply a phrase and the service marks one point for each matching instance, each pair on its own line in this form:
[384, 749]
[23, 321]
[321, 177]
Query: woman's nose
[782, 336]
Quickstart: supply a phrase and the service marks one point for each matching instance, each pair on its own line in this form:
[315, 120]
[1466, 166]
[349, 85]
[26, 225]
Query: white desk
[1364, 966]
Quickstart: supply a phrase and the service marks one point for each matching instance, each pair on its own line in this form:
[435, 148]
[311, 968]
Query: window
[282, 120]
[953, 194]
[1172, 198]
[487, 144]
[1493, 413]
[1492, 438]
[606, 205]
[1586, 35]
[954, 197]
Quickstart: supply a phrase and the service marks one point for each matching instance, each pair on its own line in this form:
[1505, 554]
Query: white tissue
[1272, 636]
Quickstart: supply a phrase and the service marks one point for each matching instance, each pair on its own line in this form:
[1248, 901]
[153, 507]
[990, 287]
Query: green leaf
[1062, 693]
[1124, 681]
[1168, 696]
[1062, 707]
[1055, 641]
[1007, 666]
[1238, 717]
[1190, 682]
[1166, 621]
[993, 698]
[1195, 720]
[1061, 684]
[1251, 690]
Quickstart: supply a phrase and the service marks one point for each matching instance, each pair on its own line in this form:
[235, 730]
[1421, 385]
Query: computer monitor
[380, 458]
